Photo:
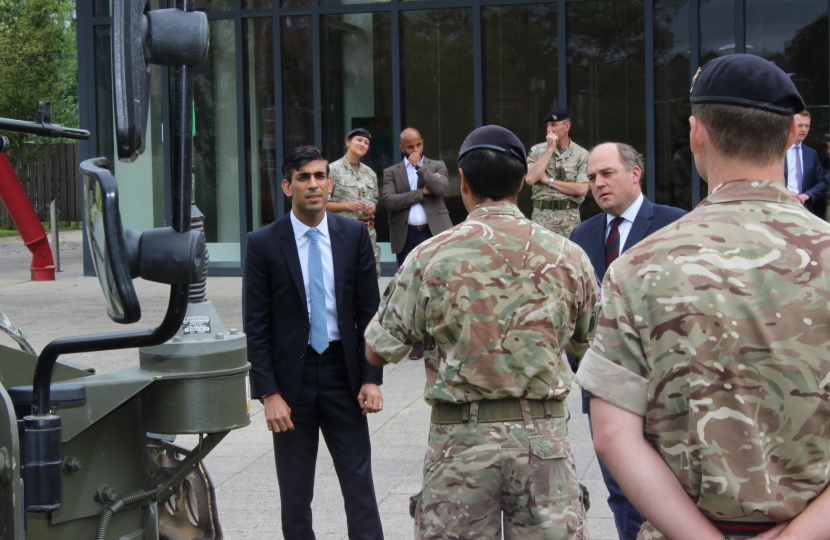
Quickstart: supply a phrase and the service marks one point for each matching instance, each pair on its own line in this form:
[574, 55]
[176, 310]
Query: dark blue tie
[612, 243]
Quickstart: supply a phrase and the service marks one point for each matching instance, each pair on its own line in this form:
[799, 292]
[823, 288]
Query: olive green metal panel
[125, 523]
[104, 393]
[196, 405]
[113, 451]
[17, 368]
[11, 493]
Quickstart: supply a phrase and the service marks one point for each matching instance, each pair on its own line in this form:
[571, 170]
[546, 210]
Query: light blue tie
[319, 330]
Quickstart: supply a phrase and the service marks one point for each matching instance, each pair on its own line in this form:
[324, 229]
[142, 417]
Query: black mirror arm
[176, 309]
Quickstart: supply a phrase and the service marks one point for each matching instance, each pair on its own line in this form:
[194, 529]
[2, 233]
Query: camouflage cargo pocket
[554, 470]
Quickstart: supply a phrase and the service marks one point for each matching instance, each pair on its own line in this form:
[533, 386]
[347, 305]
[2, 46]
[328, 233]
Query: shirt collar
[630, 213]
[796, 146]
[497, 208]
[750, 190]
[301, 228]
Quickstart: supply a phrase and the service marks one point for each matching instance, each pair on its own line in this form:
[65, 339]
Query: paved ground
[242, 466]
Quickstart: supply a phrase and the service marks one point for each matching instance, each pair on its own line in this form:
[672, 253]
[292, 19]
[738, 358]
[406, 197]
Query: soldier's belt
[370, 223]
[751, 525]
[555, 205]
[496, 410]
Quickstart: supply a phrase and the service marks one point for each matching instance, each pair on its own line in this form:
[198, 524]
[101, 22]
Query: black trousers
[413, 240]
[326, 404]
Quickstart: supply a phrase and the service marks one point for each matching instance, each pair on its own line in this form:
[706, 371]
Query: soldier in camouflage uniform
[355, 184]
[709, 368]
[557, 173]
[496, 300]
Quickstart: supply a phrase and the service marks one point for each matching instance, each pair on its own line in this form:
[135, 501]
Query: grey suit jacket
[398, 198]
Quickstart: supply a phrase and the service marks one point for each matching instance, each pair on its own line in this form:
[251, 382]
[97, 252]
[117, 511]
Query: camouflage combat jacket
[494, 300]
[716, 330]
[572, 163]
[349, 186]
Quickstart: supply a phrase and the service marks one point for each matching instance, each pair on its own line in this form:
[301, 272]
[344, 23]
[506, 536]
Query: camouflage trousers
[482, 477]
[373, 236]
[559, 221]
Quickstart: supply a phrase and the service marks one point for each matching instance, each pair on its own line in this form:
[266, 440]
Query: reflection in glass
[437, 68]
[213, 5]
[96, 234]
[101, 8]
[350, 2]
[606, 68]
[357, 89]
[521, 73]
[260, 120]
[717, 29]
[256, 4]
[215, 158]
[793, 35]
[105, 123]
[672, 80]
[297, 82]
[295, 3]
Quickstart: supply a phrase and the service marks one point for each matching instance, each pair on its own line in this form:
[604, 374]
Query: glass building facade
[284, 73]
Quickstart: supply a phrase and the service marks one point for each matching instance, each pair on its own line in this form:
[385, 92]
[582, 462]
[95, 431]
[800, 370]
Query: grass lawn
[4, 233]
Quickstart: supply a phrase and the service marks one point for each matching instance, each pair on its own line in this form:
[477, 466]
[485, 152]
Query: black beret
[556, 115]
[494, 138]
[359, 132]
[746, 80]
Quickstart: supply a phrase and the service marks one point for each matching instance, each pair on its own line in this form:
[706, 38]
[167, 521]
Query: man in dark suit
[311, 371]
[614, 173]
[413, 192]
[802, 169]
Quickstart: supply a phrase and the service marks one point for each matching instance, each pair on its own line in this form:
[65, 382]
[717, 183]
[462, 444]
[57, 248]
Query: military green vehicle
[86, 455]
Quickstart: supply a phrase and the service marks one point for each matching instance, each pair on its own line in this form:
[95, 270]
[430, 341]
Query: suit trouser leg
[295, 453]
[413, 239]
[346, 432]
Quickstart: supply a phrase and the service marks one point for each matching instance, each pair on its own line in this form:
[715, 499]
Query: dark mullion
[397, 101]
[87, 110]
[651, 136]
[562, 44]
[694, 64]
[279, 203]
[316, 76]
[478, 71]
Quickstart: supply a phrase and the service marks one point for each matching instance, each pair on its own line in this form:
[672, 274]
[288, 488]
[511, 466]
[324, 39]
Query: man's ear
[286, 187]
[697, 135]
[465, 187]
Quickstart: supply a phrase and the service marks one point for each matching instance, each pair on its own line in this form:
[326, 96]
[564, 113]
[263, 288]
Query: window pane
[717, 29]
[438, 87]
[672, 106]
[215, 156]
[350, 2]
[103, 93]
[210, 5]
[521, 73]
[260, 121]
[357, 89]
[606, 67]
[101, 8]
[793, 35]
[297, 82]
[256, 4]
[295, 3]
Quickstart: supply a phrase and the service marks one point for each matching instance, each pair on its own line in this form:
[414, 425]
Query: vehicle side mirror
[141, 37]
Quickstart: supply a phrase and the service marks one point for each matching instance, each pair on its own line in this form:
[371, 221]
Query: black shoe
[417, 352]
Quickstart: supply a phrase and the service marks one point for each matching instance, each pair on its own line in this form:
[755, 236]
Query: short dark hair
[750, 135]
[298, 157]
[492, 175]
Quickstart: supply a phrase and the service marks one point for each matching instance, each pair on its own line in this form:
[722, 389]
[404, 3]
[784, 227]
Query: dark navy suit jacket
[814, 182]
[276, 314]
[590, 236]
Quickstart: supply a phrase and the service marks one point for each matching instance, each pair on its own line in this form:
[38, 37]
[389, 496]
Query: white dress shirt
[628, 220]
[793, 153]
[417, 215]
[324, 239]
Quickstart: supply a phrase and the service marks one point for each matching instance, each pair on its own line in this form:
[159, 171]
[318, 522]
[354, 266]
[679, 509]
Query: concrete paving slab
[242, 466]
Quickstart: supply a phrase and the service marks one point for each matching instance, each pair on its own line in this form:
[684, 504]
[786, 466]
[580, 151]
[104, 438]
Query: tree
[38, 62]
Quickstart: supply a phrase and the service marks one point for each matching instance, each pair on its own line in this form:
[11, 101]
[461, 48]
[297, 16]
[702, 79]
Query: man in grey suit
[413, 192]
